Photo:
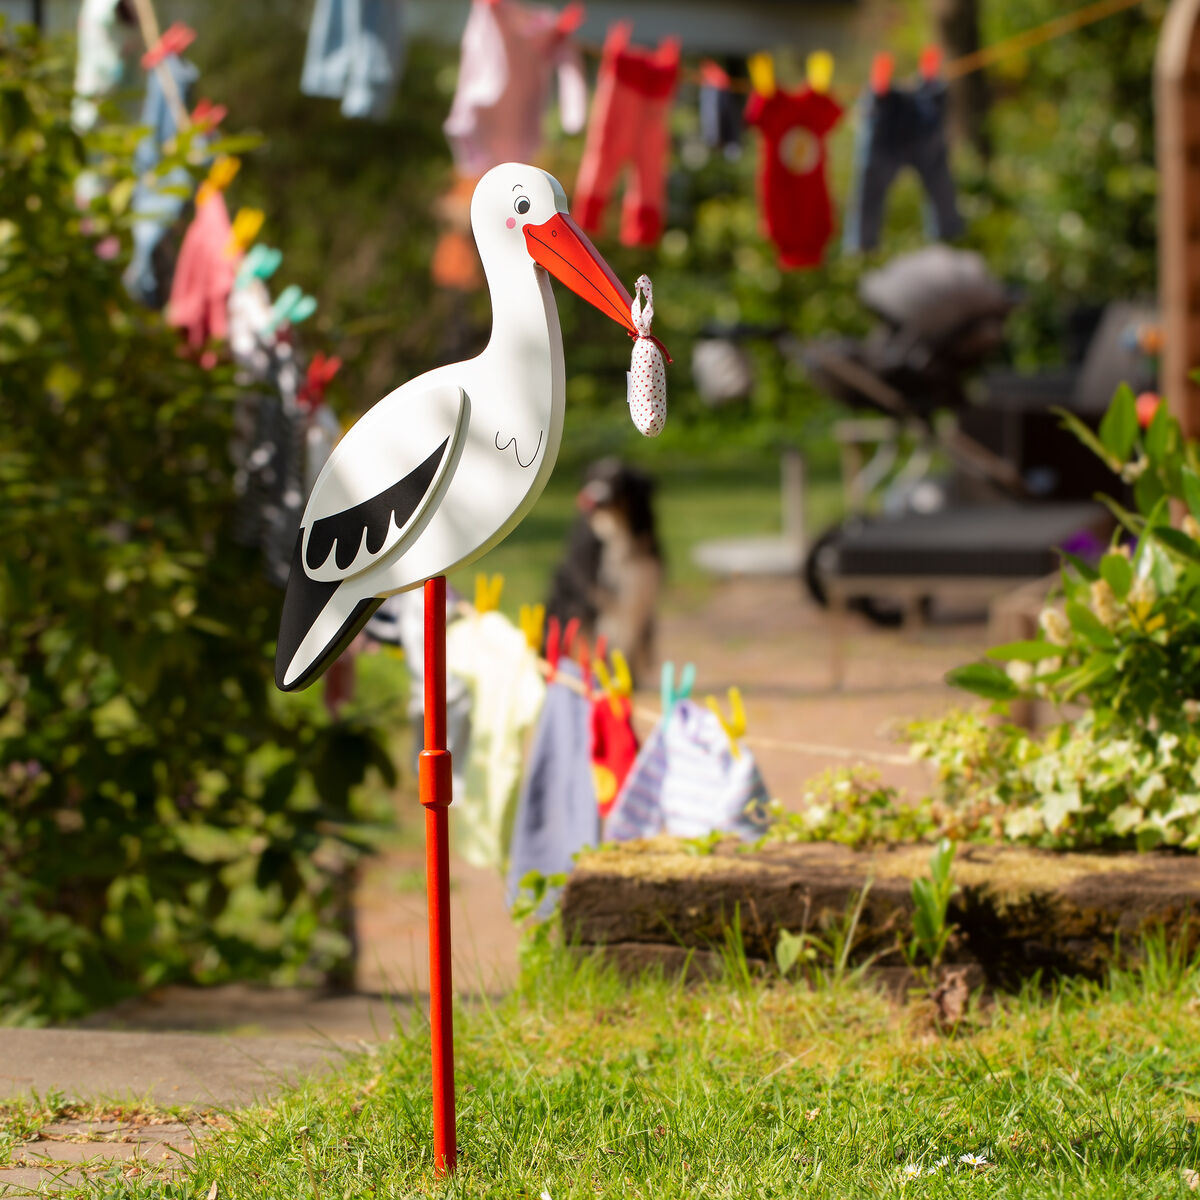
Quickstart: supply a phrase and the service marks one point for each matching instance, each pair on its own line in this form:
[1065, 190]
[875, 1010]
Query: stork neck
[524, 315]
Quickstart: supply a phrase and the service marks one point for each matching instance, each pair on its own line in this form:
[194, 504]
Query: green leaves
[984, 680]
[148, 773]
[1119, 428]
[1117, 572]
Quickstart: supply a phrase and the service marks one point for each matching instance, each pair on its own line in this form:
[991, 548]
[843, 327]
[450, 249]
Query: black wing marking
[372, 519]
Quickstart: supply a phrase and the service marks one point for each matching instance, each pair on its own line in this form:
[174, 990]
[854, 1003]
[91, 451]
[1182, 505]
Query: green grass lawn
[582, 1085]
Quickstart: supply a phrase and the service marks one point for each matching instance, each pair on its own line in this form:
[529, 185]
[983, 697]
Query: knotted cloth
[647, 377]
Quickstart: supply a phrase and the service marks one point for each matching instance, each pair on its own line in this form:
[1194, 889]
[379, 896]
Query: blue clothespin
[261, 262]
[292, 306]
[671, 695]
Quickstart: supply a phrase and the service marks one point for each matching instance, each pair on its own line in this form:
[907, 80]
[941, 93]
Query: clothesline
[811, 749]
[955, 68]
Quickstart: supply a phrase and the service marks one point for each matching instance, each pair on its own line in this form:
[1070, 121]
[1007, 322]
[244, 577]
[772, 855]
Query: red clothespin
[601, 647]
[320, 373]
[569, 634]
[881, 72]
[207, 116]
[931, 62]
[713, 75]
[570, 19]
[174, 41]
[553, 644]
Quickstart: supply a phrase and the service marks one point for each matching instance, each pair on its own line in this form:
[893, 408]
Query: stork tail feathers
[319, 620]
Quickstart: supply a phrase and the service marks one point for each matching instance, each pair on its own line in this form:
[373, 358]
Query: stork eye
[522, 205]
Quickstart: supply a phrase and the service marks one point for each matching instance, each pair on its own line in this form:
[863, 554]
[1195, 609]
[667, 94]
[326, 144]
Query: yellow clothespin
[735, 727]
[619, 684]
[532, 620]
[220, 176]
[245, 229]
[762, 73]
[487, 592]
[819, 66]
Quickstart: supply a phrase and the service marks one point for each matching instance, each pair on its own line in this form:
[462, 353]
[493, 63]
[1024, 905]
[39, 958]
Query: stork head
[522, 209]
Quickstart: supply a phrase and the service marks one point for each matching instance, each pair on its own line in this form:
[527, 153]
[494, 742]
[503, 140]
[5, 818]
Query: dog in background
[612, 570]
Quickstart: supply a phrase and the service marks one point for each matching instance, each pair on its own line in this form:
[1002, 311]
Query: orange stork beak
[567, 253]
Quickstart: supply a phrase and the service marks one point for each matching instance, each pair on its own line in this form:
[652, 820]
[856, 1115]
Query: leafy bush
[164, 813]
[1123, 643]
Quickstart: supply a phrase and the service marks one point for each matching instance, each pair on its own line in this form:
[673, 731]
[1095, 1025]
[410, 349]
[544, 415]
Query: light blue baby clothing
[355, 53]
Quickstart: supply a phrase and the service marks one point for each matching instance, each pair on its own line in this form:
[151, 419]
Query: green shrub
[164, 814]
[1122, 644]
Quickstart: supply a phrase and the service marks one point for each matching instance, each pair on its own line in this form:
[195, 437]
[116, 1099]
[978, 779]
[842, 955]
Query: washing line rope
[811, 749]
[977, 60]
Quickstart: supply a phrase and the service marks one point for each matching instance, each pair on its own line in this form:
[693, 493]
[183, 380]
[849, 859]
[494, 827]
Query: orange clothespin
[735, 727]
[762, 73]
[819, 69]
[220, 176]
[487, 592]
[617, 685]
[246, 226]
[881, 72]
[174, 41]
[532, 619]
[714, 75]
[931, 62]
[206, 116]
[320, 374]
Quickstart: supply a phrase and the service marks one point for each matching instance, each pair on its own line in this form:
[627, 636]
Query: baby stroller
[1018, 486]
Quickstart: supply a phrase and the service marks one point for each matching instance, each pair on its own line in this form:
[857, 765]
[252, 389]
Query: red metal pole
[435, 787]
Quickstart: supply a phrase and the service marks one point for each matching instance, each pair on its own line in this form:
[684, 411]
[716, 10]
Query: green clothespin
[260, 262]
[292, 306]
[672, 695]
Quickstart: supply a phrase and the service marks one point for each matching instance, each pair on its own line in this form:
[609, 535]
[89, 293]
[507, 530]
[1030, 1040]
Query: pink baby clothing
[509, 53]
[629, 127]
[204, 274]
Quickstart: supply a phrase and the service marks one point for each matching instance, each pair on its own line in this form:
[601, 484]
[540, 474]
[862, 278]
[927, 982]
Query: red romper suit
[793, 189]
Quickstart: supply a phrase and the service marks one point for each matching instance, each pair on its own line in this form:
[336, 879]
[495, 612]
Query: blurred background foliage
[165, 814]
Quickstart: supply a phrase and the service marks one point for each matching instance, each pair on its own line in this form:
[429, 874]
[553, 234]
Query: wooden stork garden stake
[438, 472]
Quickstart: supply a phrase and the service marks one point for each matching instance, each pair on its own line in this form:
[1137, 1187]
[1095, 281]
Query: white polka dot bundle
[647, 375]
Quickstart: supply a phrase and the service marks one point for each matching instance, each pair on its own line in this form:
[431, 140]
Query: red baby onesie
[628, 125]
[793, 190]
[614, 747]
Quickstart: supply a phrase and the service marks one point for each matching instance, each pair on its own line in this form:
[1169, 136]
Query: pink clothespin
[570, 19]
[207, 116]
[931, 62]
[881, 72]
[320, 373]
[174, 41]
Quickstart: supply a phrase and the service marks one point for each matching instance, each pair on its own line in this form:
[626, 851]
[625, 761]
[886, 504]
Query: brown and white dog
[612, 570]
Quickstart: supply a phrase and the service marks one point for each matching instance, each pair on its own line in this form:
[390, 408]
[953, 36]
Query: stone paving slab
[163, 1068]
[66, 1152]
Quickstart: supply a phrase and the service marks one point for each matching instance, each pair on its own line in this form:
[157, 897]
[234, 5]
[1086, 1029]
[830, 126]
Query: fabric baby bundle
[629, 128]
[687, 782]
[792, 183]
[557, 814]
[511, 53]
[901, 127]
[490, 655]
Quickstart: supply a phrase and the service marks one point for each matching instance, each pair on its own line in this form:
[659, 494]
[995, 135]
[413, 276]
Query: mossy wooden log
[1017, 910]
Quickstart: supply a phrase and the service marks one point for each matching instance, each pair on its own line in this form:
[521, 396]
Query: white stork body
[441, 469]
